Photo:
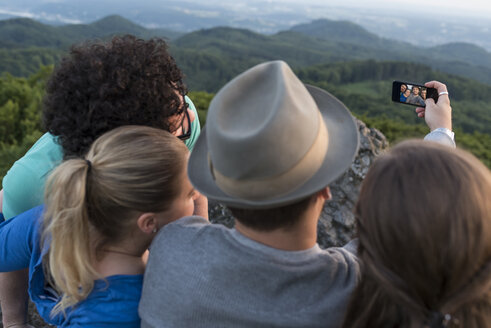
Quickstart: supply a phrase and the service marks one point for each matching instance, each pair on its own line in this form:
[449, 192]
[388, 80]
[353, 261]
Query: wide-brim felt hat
[270, 140]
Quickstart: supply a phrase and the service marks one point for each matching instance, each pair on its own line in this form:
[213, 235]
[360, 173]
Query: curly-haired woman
[98, 87]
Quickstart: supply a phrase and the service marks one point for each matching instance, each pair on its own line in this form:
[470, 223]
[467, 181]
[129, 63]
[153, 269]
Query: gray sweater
[204, 275]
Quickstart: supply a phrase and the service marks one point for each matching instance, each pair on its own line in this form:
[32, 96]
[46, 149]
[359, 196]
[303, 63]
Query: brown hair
[274, 218]
[424, 228]
[92, 201]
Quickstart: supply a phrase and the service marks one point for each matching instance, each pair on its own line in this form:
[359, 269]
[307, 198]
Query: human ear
[325, 194]
[147, 222]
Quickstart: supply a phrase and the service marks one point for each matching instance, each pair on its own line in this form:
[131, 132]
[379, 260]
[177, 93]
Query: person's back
[218, 277]
[269, 151]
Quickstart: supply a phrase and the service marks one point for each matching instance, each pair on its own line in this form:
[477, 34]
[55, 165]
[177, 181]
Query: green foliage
[27, 61]
[20, 110]
[395, 130]
[201, 101]
[477, 143]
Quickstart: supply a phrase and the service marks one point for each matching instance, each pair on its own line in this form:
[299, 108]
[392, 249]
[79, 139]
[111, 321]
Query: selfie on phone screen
[413, 94]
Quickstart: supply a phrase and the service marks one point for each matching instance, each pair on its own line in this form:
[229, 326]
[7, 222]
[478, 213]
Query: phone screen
[412, 94]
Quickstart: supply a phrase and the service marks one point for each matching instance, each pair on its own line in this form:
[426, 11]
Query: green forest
[363, 86]
[25, 42]
[209, 58]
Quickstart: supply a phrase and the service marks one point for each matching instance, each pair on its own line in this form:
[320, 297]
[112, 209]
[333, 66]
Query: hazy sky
[480, 8]
[465, 8]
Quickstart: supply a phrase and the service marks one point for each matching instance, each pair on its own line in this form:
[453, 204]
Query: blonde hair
[90, 202]
[424, 228]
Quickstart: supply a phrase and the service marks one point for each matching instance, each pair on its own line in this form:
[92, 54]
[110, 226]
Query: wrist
[440, 125]
[446, 131]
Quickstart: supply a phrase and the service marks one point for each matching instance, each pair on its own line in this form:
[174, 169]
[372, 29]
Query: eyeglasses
[186, 133]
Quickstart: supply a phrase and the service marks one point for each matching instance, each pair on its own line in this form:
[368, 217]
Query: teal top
[195, 126]
[23, 186]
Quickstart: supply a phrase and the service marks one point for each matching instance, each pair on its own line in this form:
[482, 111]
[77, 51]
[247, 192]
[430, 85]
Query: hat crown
[261, 123]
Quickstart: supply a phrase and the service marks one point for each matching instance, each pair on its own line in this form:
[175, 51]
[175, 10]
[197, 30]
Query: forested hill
[26, 44]
[340, 57]
[25, 32]
[344, 31]
[322, 41]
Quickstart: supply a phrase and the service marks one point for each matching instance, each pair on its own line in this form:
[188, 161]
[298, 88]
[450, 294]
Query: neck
[301, 236]
[119, 262]
[122, 259]
[121, 252]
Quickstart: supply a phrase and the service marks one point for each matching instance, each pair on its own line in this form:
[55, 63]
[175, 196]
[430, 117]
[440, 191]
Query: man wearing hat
[270, 149]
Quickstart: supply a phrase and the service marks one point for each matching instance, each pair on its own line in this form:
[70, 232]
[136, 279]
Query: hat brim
[342, 149]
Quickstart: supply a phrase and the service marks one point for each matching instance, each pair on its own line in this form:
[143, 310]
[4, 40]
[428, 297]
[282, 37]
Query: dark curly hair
[104, 85]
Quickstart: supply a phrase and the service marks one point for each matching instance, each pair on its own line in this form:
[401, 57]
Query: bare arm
[13, 298]
[201, 206]
[438, 116]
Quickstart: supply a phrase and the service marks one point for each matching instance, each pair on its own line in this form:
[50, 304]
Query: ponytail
[67, 229]
[93, 202]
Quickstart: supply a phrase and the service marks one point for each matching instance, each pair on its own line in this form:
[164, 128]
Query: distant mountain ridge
[343, 31]
[25, 32]
[210, 57]
[463, 51]
[311, 44]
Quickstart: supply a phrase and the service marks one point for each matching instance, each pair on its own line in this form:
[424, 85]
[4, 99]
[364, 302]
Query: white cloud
[17, 13]
[41, 16]
[198, 13]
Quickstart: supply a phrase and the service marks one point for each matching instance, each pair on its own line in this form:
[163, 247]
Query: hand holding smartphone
[412, 94]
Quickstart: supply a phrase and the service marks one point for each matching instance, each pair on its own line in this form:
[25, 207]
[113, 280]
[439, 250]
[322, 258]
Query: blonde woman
[84, 247]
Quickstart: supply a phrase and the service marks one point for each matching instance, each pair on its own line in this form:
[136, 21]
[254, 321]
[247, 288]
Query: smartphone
[412, 94]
